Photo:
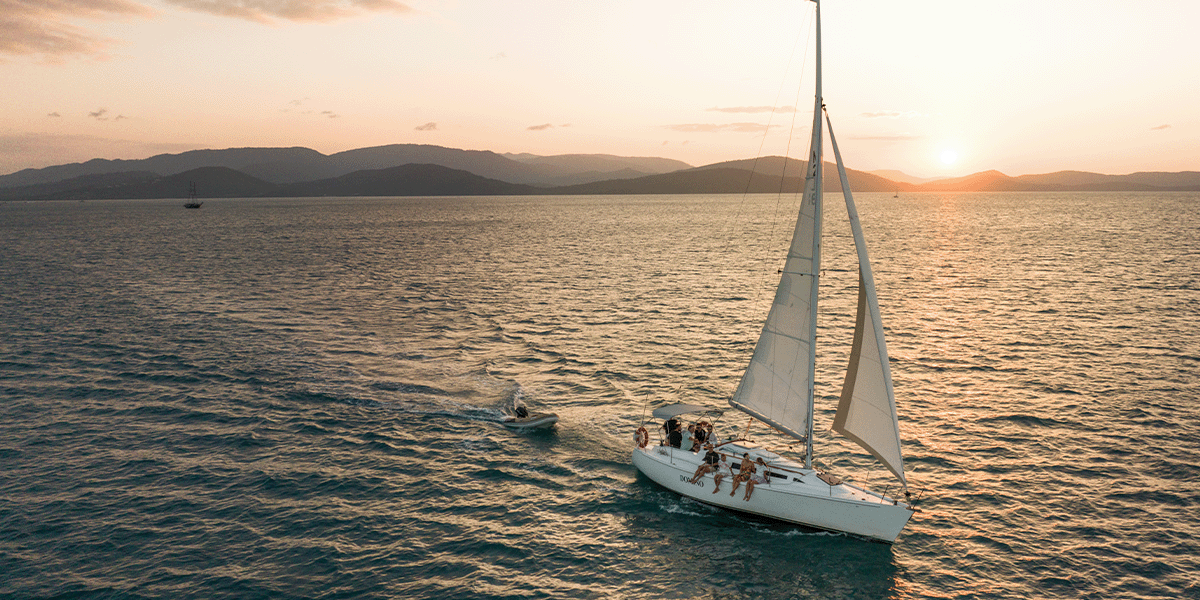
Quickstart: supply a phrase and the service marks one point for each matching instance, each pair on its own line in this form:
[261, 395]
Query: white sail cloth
[777, 386]
[867, 410]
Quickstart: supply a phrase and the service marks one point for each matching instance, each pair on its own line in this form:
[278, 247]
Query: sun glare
[949, 157]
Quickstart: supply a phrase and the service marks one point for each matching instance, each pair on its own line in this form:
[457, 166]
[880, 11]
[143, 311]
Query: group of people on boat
[752, 472]
[696, 434]
[700, 434]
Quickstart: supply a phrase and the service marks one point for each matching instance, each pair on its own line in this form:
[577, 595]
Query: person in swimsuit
[711, 460]
[744, 473]
[759, 475]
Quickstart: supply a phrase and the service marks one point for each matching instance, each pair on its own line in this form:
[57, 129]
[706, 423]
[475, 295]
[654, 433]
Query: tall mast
[815, 153]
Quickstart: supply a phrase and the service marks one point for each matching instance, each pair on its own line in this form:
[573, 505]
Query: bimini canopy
[674, 410]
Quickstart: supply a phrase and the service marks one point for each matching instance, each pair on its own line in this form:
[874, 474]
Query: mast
[815, 159]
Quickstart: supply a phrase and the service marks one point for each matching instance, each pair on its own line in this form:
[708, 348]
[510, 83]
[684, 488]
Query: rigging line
[791, 132]
[756, 296]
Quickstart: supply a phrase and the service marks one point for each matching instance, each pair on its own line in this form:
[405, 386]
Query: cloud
[267, 11]
[43, 27]
[754, 109]
[890, 114]
[897, 137]
[46, 28]
[719, 127]
[1160, 127]
[430, 126]
[99, 114]
[499, 56]
[54, 115]
[541, 127]
[329, 113]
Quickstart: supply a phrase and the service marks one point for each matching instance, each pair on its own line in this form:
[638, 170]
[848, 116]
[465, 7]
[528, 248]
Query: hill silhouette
[406, 180]
[410, 169]
[294, 165]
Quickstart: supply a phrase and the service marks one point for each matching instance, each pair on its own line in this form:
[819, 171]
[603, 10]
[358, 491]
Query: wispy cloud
[719, 127]
[42, 27]
[329, 113]
[753, 109]
[267, 11]
[430, 126]
[542, 127]
[54, 115]
[895, 137]
[890, 114]
[1160, 127]
[99, 114]
[45, 27]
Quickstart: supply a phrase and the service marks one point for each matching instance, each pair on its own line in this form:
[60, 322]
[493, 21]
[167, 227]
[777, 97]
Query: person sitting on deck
[670, 425]
[700, 434]
[711, 460]
[744, 473]
[721, 468]
[520, 410]
[758, 476]
[675, 435]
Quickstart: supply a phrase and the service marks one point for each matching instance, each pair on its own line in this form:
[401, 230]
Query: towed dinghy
[531, 421]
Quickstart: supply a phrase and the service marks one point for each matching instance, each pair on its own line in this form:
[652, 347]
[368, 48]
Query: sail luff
[867, 410]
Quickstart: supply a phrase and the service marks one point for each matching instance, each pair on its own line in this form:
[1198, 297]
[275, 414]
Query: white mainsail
[777, 387]
[867, 410]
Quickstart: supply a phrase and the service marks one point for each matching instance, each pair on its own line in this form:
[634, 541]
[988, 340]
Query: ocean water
[300, 398]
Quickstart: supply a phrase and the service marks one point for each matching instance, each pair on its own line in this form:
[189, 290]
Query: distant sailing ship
[192, 203]
[777, 389]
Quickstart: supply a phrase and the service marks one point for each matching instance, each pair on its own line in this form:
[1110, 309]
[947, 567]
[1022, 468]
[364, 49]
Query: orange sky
[932, 88]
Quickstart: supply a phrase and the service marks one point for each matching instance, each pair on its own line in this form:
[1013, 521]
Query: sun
[949, 157]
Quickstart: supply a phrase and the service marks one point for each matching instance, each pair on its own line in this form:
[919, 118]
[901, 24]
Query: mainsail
[777, 387]
[867, 410]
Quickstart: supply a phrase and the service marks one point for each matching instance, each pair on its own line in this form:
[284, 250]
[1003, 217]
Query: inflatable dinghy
[532, 421]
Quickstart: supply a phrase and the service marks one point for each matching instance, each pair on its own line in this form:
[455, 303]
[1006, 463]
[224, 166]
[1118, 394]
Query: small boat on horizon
[192, 203]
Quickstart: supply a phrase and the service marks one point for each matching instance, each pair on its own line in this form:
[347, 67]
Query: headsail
[867, 410]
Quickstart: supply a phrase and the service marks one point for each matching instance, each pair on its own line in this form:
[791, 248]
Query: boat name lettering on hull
[684, 478]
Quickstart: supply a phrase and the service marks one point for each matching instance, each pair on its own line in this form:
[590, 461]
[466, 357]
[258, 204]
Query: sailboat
[192, 202]
[777, 389]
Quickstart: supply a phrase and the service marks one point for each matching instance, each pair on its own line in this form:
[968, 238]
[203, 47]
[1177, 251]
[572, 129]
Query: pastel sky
[929, 87]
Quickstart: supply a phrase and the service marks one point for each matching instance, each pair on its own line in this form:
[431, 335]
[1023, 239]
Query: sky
[933, 88]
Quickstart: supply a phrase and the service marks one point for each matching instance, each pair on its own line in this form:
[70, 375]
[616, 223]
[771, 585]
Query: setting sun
[949, 157]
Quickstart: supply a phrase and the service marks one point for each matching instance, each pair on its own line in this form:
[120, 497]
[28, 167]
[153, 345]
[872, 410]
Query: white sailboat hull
[802, 497]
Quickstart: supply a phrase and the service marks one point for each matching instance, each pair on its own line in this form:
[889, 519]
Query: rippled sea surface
[300, 398]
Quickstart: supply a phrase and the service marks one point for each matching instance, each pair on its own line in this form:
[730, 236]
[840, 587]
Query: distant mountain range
[420, 170]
